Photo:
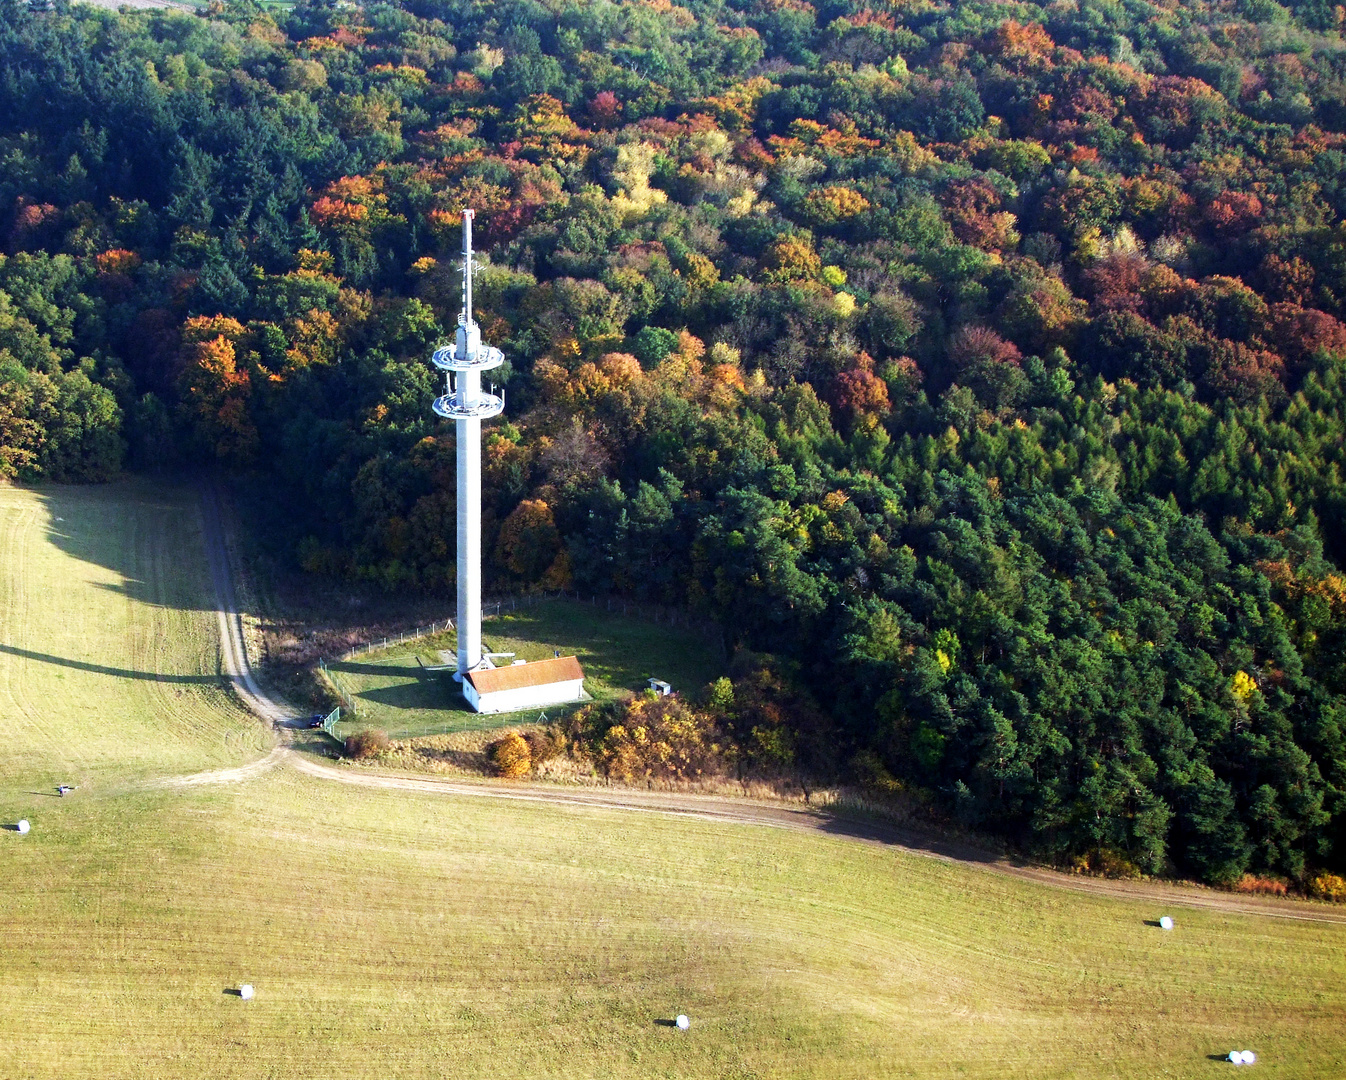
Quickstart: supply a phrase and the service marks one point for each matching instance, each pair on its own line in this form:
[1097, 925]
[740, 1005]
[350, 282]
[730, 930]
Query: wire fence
[329, 676]
[329, 723]
[397, 639]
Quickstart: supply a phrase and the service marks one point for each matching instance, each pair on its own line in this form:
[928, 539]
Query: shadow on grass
[85, 523]
[881, 832]
[410, 671]
[232, 992]
[418, 695]
[321, 745]
[101, 669]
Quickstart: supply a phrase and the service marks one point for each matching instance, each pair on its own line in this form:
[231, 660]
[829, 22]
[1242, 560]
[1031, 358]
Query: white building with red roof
[524, 685]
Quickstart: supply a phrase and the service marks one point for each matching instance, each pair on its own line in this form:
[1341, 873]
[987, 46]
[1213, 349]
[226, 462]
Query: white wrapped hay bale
[1248, 1057]
[682, 1022]
[1166, 923]
[245, 991]
[23, 827]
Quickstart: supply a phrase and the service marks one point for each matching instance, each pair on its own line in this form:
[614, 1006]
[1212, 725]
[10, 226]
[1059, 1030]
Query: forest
[979, 367]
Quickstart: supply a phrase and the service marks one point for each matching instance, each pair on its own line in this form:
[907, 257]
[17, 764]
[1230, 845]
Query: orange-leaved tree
[214, 391]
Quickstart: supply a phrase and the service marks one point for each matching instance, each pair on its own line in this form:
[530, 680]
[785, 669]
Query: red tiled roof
[517, 676]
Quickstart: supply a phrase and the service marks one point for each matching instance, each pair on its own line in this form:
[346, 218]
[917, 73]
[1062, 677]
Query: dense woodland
[979, 364]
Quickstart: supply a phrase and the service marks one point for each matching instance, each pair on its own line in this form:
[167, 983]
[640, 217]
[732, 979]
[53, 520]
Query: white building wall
[526, 697]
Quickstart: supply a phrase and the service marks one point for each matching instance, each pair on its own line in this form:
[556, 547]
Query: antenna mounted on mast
[466, 317]
[467, 406]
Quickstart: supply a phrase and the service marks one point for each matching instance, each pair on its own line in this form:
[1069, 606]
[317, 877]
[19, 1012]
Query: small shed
[660, 687]
[525, 686]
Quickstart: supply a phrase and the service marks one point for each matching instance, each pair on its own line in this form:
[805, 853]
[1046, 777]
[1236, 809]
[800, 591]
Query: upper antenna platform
[467, 353]
[467, 357]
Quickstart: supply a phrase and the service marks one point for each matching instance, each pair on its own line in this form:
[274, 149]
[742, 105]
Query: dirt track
[704, 807]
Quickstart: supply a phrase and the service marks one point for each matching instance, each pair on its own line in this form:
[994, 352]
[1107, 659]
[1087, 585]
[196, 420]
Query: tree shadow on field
[147, 535]
[881, 832]
[418, 695]
[392, 671]
[101, 669]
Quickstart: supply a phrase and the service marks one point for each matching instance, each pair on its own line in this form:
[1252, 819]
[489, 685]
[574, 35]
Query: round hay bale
[1248, 1057]
[683, 1023]
[23, 828]
[245, 991]
[1166, 923]
[1236, 1057]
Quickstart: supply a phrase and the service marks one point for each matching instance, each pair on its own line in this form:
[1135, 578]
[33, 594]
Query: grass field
[396, 935]
[406, 934]
[618, 653]
[108, 640]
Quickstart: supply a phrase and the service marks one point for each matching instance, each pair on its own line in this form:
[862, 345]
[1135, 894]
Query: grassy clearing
[618, 653]
[108, 640]
[416, 936]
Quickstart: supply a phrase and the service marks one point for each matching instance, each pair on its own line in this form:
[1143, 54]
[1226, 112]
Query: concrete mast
[467, 405]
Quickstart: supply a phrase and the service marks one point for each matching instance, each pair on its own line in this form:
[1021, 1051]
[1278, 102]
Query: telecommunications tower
[467, 406]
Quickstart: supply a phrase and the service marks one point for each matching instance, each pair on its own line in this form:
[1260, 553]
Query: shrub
[650, 738]
[1328, 887]
[1104, 862]
[366, 744]
[510, 756]
[1249, 883]
[545, 745]
[870, 770]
